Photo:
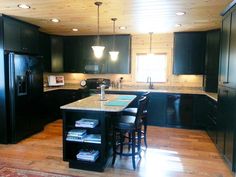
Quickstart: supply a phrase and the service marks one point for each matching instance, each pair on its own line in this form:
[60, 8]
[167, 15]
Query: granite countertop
[64, 87]
[183, 90]
[113, 103]
[213, 96]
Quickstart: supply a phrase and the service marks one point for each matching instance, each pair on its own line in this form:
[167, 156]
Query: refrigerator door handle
[11, 74]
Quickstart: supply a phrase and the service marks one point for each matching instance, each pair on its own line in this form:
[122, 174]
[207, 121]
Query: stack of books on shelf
[76, 135]
[93, 138]
[88, 155]
[86, 123]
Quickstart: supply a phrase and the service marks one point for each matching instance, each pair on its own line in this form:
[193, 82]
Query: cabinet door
[232, 53]
[57, 54]
[12, 40]
[224, 58]
[221, 122]
[230, 126]
[89, 58]
[29, 38]
[179, 110]
[45, 51]
[181, 54]
[212, 61]
[157, 109]
[122, 65]
[199, 111]
[197, 52]
[73, 55]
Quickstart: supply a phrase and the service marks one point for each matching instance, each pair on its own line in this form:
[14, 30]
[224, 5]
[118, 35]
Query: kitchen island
[101, 112]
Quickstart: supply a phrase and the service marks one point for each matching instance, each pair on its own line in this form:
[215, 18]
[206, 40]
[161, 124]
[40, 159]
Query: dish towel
[116, 103]
[126, 97]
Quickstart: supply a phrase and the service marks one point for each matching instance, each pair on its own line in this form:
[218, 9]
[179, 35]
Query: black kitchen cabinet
[199, 111]
[45, 51]
[179, 112]
[79, 57]
[189, 53]
[73, 52]
[156, 109]
[20, 36]
[226, 126]
[123, 63]
[232, 54]
[57, 60]
[56, 98]
[224, 57]
[212, 61]
[12, 34]
[211, 119]
[29, 38]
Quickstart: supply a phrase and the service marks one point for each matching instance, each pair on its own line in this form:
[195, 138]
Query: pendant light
[97, 49]
[114, 54]
[150, 47]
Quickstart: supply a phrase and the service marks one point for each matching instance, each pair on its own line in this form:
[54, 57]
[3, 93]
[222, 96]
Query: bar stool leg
[133, 149]
[121, 143]
[145, 135]
[114, 147]
[139, 142]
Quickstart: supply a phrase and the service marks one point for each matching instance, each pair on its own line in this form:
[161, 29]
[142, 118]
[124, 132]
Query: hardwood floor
[171, 153]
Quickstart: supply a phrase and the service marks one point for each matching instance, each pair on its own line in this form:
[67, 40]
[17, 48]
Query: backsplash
[162, 43]
[174, 81]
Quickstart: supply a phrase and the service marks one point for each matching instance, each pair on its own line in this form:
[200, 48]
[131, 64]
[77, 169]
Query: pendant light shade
[114, 54]
[97, 49]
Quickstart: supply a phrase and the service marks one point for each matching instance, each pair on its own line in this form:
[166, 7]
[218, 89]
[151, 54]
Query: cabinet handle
[225, 82]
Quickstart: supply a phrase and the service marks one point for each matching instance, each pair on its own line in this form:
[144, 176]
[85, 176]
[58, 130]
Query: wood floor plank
[171, 153]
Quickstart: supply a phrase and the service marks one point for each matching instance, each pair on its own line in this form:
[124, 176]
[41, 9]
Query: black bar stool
[133, 111]
[131, 125]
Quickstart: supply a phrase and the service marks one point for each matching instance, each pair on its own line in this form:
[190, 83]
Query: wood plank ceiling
[139, 16]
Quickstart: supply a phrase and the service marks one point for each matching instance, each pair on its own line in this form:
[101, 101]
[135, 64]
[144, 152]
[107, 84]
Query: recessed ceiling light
[180, 13]
[23, 6]
[55, 20]
[122, 27]
[75, 29]
[178, 25]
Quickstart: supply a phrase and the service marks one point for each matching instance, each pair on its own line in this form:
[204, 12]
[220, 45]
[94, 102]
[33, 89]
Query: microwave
[56, 80]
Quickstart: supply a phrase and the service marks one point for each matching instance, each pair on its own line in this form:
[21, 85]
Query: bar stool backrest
[142, 104]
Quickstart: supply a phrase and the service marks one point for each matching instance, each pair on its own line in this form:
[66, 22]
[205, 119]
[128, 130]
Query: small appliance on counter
[56, 80]
[95, 83]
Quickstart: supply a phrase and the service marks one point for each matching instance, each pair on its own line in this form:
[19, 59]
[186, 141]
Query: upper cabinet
[45, 50]
[123, 63]
[212, 60]
[20, 36]
[57, 62]
[79, 57]
[189, 53]
[228, 50]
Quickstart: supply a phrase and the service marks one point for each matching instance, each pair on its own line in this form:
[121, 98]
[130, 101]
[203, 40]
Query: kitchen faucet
[149, 80]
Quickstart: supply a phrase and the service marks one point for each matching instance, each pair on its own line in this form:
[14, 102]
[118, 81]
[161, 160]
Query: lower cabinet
[56, 98]
[156, 109]
[211, 119]
[179, 112]
[226, 124]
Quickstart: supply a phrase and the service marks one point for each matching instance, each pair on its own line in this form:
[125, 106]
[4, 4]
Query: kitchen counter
[93, 103]
[169, 90]
[140, 89]
[64, 87]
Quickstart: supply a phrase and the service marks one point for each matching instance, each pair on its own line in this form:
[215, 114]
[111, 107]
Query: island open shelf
[105, 112]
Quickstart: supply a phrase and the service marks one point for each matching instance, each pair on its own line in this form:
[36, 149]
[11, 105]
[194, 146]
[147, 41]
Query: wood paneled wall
[161, 43]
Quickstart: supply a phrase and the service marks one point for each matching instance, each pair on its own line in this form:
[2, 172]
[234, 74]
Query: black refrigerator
[24, 82]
